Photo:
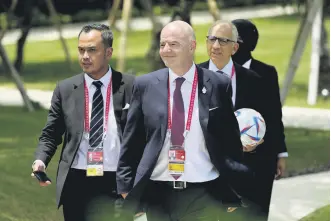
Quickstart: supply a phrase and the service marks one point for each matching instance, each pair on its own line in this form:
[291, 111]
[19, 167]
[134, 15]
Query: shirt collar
[227, 69]
[189, 76]
[247, 64]
[105, 79]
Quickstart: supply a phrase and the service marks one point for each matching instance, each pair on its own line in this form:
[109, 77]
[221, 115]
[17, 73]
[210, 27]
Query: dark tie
[178, 115]
[96, 126]
[219, 71]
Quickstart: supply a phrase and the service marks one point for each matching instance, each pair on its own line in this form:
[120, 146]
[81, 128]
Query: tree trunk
[112, 17]
[16, 78]
[153, 53]
[126, 15]
[324, 77]
[213, 9]
[56, 21]
[301, 40]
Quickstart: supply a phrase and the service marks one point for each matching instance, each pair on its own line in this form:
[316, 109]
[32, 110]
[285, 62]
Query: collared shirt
[248, 65]
[111, 145]
[198, 166]
[227, 69]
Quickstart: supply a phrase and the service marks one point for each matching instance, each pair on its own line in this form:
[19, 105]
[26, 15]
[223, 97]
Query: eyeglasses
[221, 41]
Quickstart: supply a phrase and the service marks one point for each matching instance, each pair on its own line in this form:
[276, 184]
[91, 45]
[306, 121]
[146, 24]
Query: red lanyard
[190, 111]
[233, 72]
[87, 119]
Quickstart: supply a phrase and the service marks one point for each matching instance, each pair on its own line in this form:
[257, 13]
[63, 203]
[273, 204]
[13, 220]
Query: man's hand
[250, 148]
[39, 165]
[139, 214]
[281, 165]
[124, 195]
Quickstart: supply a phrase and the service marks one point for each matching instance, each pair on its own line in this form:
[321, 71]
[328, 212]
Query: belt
[180, 185]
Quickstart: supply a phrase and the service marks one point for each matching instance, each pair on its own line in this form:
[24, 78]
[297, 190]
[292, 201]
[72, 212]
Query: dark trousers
[264, 167]
[90, 198]
[164, 203]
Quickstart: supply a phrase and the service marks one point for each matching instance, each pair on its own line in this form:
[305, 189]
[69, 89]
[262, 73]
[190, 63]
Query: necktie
[96, 126]
[219, 71]
[178, 115]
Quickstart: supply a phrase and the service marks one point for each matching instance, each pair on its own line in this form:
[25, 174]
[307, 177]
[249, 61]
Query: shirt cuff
[284, 154]
[41, 162]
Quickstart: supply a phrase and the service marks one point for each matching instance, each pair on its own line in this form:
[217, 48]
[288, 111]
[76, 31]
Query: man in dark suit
[269, 158]
[90, 110]
[246, 87]
[181, 143]
[221, 45]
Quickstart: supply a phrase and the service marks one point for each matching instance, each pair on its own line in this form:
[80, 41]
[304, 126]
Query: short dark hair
[106, 33]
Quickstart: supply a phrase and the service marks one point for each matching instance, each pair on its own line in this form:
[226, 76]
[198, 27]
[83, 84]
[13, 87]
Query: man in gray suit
[181, 145]
[90, 110]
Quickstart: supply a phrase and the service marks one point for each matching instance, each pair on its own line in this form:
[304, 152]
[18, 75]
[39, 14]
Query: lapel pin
[204, 90]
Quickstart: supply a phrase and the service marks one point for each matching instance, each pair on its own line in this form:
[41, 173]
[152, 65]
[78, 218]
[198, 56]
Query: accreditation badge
[176, 158]
[94, 162]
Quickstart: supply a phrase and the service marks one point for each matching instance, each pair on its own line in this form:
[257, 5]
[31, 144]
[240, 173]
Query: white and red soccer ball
[252, 126]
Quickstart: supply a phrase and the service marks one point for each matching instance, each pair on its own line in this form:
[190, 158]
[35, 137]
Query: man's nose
[166, 47]
[85, 55]
[216, 44]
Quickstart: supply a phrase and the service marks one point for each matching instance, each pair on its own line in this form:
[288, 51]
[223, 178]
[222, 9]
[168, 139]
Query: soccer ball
[251, 124]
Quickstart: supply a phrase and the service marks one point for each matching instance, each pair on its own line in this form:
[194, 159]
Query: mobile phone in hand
[41, 176]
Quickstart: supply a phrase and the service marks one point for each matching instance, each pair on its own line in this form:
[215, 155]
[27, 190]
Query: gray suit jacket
[66, 117]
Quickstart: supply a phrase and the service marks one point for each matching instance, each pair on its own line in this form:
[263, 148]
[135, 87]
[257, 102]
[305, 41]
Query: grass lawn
[45, 65]
[322, 214]
[21, 198]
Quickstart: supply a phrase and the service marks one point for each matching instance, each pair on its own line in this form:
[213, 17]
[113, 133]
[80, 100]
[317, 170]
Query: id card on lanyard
[176, 154]
[95, 154]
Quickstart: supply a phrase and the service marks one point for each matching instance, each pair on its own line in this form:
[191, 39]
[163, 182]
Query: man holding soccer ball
[247, 92]
[269, 158]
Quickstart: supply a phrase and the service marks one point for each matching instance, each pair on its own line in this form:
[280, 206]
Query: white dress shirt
[198, 166]
[227, 69]
[248, 65]
[111, 145]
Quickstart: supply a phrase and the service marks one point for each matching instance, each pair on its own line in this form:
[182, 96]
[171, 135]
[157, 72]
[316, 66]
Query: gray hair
[222, 22]
[106, 33]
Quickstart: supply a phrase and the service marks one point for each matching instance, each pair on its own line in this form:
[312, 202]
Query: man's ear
[109, 52]
[235, 48]
[193, 45]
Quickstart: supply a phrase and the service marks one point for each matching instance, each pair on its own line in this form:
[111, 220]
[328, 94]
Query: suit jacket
[274, 108]
[253, 91]
[247, 90]
[66, 117]
[146, 128]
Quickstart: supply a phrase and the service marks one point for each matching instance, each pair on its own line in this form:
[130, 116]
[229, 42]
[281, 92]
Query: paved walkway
[309, 118]
[294, 198]
[201, 17]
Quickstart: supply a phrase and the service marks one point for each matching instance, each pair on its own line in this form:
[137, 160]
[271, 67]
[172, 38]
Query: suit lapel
[205, 64]
[162, 86]
[253, 63]
[78, 95]
[204, 96]
[118, 91]
[240, 84]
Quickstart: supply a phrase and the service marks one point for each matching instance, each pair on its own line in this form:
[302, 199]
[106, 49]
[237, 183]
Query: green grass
[45, 65]
[22, 199]
[307, 149]
[322, 214]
